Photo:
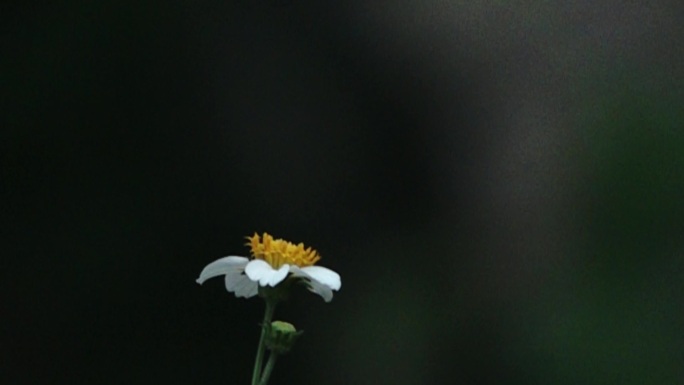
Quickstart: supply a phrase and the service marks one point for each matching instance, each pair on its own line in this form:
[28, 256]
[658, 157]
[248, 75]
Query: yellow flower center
[278, 252]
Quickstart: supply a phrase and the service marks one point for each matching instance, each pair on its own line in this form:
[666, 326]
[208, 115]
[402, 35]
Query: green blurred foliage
[635, 162]
[613, 315]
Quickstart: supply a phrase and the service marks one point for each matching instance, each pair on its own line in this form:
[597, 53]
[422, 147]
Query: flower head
[272, 262]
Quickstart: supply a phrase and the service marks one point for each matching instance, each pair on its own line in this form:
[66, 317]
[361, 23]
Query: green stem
[268, 315]
[269, 368]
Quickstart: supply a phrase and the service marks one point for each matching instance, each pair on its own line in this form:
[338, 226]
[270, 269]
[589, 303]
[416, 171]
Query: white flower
[273, 261]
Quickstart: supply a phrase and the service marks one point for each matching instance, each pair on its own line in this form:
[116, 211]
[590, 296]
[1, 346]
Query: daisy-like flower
[272, 262]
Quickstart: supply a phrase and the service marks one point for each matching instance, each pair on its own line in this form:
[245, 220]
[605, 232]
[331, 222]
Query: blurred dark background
[500, 185]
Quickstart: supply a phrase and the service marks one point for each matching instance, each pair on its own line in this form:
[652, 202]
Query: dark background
[499, 184]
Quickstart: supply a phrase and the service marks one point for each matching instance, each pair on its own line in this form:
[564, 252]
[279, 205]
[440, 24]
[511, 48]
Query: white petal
[233, 279]
[324, 275]
[225, 265]
[323, 287]
[257, 268]
[322, 290]
[253, 290]
[242, 286]
[260, 270]
[279, 275]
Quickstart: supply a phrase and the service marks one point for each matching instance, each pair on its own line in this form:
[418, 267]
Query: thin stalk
[269, 368]
[268, 315]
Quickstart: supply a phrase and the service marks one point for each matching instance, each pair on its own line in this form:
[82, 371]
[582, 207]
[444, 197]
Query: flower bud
[281, 337]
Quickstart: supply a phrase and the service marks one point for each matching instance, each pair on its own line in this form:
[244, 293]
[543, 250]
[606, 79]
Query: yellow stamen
[278, 252]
